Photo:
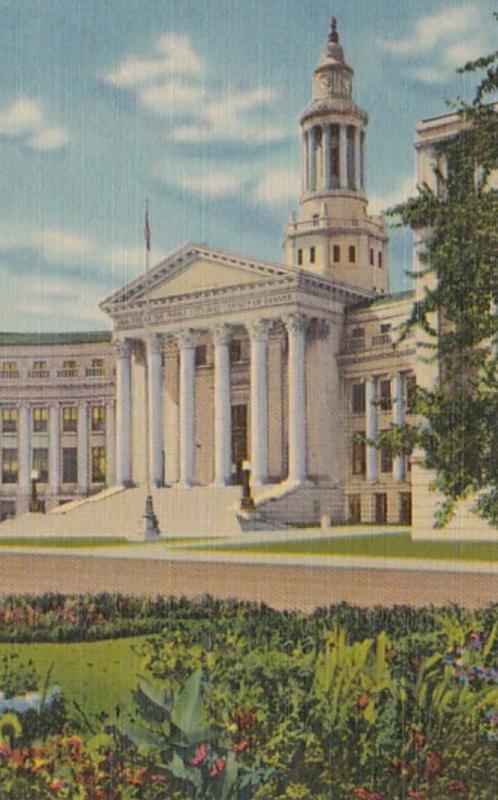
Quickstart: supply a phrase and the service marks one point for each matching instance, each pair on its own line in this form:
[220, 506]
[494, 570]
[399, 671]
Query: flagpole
[151, 523]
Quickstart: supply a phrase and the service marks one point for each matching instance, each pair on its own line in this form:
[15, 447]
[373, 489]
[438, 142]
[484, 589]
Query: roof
[74, 337]
[383, 300]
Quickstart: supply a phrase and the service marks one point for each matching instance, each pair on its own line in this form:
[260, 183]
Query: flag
[147, 228]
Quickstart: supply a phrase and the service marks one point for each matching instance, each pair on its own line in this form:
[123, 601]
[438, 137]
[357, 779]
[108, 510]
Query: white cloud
[442, 41]
[406, 188]
[24, 119]
[176, 56]
[278, 186]
[172, 98]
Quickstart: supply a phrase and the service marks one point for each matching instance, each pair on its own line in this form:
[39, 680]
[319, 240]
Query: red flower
[399, 765]
[241, 746]
[5, 752]
[362, 793]
[57, 784]
[199, 757]
[417, 795]
[434, 765]
[362, 701]
[218, 767]
[457, 787]
[419, 739]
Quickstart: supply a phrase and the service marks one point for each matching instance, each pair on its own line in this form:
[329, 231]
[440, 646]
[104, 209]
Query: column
[155, 410]
[24, 450]
[327, 153]
[305, 162]
[258, 332]
[397, 392]
[357, 159]
[343, 156]
[186, 345]
[83, 477]
[371, 427]
[222, 405]
[54, 466]
[110, 443]
[296, 331]
[312, 159]
[123, 413]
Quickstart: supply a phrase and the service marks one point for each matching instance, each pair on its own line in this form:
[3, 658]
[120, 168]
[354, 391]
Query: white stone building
[217, 359]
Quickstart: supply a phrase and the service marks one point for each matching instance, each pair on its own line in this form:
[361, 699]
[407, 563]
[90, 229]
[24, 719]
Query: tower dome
[333, 233]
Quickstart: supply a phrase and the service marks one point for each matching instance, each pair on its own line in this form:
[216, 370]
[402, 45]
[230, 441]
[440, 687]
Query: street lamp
[36, 505]
[247, 501]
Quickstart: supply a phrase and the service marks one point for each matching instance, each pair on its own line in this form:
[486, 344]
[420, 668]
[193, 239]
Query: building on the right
[465, 524]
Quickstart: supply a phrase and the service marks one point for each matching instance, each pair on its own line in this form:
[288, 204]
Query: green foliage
[458, 310]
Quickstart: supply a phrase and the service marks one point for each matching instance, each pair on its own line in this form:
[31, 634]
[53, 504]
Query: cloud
[406, 188]
[24, 119]
[172, 98]
[213, 184]
[442, 41]
[278, 186]
[176, 56]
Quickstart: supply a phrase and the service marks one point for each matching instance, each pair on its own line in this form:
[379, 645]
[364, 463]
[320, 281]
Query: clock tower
[333, 234]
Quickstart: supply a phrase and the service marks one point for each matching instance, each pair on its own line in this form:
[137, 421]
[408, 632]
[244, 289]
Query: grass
[98, 675]
[390, 545]
[64, 541]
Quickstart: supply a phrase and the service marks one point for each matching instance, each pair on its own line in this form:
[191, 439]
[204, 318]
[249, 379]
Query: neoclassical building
[218, 362]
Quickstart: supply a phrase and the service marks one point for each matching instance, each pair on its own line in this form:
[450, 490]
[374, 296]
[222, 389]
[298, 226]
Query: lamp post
[36, 505]
[247, 501]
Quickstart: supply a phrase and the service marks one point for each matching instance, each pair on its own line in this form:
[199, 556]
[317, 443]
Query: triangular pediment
[196, 269]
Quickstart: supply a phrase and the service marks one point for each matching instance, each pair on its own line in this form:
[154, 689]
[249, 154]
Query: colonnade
[398, 406]
[186, 341]
[341, 162]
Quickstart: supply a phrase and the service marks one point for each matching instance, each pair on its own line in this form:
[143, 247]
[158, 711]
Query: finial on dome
[333, 36]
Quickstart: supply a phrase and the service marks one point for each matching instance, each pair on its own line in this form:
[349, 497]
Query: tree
[458, 428]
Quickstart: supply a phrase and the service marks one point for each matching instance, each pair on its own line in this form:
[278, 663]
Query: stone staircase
[198, 511]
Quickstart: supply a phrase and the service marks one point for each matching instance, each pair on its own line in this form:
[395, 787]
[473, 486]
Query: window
[40, 463]
[381, 509]
[10, 367]
[98, 465]
[358, 398]
[40, 420]
[299, 257]
[70, 419]
[385, 395]
[372, 256]
[358, 333]
[359, 455]
[69, 465]
[312, 255]
[315, 220]
[39, 366]
[379, 260]
[334, 157]
[10, 418]
[10, 465]
[405, 508]
[354, 508]
[385, 327]
[201, 355]
[69, 364]
[98, 363]
[98, 418]
[410, 391]
[235, 351]
[336, 253]
[386, 458]
[352, 253]
[96, 369]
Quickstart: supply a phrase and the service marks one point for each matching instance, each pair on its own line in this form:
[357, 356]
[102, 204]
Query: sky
[193, 104]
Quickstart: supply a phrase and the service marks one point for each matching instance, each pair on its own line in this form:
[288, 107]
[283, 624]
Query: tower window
[358, 398]
[235, 351]
[312, 255]
[379, 260]
[299, 257]
[372, 256]
[315, 219]
[336, 253]
[352, 254]
[201, 355]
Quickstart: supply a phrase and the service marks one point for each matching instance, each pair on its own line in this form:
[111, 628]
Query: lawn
[390, 545]
[64, 541]
[98, 675]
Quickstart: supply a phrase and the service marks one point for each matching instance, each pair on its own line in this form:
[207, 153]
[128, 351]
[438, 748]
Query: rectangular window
[358, 398]
[405, 508]
[381, 508]
[10, 465]
[316, 220]
[39, 366]
[386, 458]
[385, 395]
[235, 351]
[201, 355]
[336, 253]
[98, 465]
[10, 417]
[299, 257]
[70, 465]
[379, 260]
[359, 456]
[40, 463]
[372, 256]
[98, 418]
[352, 254]
[410, 392]
[10, 367]
[354, 509]
[70, 419]
[312, 255]
[69, 364]
[385, 327]
[40, 420]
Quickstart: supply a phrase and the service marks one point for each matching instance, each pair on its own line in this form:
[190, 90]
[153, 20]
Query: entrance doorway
[239, 438]
[405, 508]
[381, 508]
[354, 508]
